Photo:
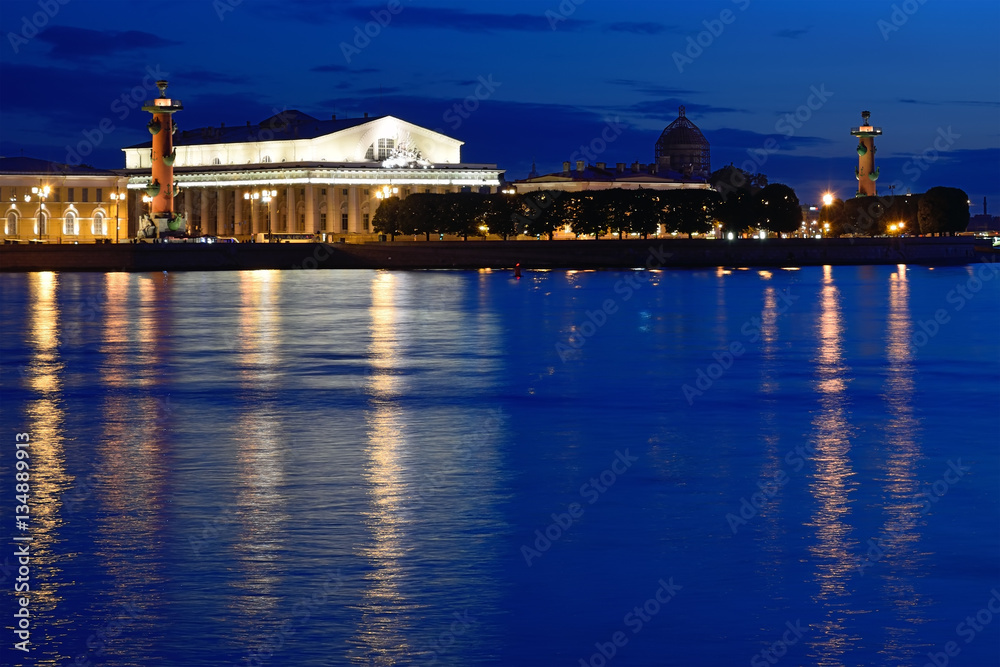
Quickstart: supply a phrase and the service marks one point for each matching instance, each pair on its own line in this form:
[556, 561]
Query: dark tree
[691, 211]
[943, 210]
[732, 179]
[833, 214]
[738, 213]
[420, 214]
[388, 217]
[537, 213]
[498, 215]
[778, 209]
[649, 212]
[458, 213]
[583, 212]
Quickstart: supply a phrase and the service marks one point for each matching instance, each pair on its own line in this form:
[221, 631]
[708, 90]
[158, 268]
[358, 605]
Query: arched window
[12, 224]
[99, 227]
[216, 160]
[266, 158]
[41, 223]
[380, 150]
[70, 227]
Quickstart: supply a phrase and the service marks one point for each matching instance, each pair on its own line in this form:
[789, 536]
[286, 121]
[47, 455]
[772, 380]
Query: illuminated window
[11, 224]
[41, 223]
[70, 227]
[98, 227]
[380, 150]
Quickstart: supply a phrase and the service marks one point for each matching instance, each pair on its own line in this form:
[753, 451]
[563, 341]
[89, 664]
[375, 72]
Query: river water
[462, 468]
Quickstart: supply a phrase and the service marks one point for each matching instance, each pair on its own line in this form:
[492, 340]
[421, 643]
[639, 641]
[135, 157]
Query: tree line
[596, 213]
[739, 203]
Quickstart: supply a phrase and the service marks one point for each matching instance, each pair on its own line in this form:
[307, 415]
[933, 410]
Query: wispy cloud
[647, 88]
[964, 103]
[642, 27]
[343, 69]
[206, 76]
[468, 21]
[792, 33]
[72, 43]
[666, 108]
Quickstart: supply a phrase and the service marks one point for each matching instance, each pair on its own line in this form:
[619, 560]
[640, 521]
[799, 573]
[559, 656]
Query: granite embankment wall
[652, 253]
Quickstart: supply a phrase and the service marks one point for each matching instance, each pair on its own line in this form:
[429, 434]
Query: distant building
[601, 177]
[78, 207]
[984, 222]
[683, 148]
[329, 175]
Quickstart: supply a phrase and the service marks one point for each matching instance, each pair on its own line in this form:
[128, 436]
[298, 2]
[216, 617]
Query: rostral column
[161, 187]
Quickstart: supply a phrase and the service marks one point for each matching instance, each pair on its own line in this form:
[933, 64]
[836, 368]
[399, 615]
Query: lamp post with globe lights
[42, 192]
[117, 198]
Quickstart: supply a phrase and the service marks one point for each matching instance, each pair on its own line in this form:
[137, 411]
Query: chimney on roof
[635, 167]
[565, 166]
[602, 165]
[580, 164]
[621, 167]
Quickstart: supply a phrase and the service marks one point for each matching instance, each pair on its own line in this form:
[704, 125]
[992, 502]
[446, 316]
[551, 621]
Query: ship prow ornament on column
[161, 221]
[866, 172]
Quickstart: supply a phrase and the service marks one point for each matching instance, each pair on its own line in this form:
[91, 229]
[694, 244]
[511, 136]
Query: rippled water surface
[460, 468]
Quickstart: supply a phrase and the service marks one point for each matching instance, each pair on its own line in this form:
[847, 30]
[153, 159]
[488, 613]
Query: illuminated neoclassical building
[326, 176]
[51, 202]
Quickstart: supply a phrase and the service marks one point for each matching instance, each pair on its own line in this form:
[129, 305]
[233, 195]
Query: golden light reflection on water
[129, 484]
[383, 630]
[47, 473]
[902, 562]
[260, 507]
[834, 550]
[771, 543]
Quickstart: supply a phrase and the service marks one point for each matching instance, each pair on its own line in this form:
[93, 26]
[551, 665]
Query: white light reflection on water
[902, 563]
[834, 549]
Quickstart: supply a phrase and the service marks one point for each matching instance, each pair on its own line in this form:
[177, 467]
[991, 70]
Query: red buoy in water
[517, 270]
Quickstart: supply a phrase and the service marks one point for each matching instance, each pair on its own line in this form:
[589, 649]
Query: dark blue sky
[928, 70]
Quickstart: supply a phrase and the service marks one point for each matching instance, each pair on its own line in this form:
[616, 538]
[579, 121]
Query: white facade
[345, 146]
[328, 183]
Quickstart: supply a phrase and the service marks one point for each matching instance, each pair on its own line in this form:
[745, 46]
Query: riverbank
[604, 254]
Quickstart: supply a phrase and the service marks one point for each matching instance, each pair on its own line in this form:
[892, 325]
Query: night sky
[549, 77]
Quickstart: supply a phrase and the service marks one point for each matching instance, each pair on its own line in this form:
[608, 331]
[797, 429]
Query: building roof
[592, 173]
[681, 132]
[30, 165]
[286, 125]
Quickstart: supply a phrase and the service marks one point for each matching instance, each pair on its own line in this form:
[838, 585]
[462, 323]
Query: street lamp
[386, 192]
[41, 192]
[266, 196]
[251, 198]
[117, 197]
[827, 198]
